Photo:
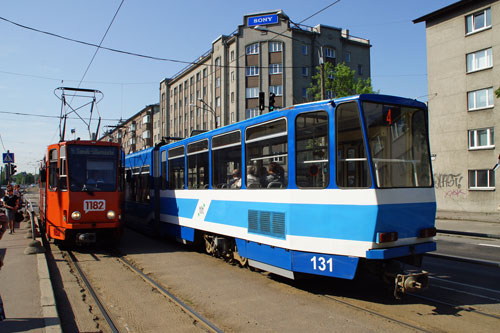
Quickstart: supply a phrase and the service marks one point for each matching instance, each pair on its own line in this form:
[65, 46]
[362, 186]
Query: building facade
[138, 132]
[463, 65]
[267, 53]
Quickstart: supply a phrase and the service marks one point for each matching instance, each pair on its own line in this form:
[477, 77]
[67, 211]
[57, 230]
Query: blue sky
[32, 64]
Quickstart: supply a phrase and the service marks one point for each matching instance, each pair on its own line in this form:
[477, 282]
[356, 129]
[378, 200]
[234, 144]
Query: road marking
[464, 284]
[489, 245]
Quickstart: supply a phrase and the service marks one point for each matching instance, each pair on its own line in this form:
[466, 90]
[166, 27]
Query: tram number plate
[322, 264]
[94, 205]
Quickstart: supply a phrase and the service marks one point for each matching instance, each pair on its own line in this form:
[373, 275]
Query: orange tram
[81, 191]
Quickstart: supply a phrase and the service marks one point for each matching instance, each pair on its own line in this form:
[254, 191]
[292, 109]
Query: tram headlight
[76, 215]
[111, 215]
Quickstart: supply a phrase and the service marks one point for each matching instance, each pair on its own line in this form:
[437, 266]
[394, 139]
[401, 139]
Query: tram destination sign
[262, 20]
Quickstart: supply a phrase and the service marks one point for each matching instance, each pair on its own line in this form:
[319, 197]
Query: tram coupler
[86, 238]
[410, 281]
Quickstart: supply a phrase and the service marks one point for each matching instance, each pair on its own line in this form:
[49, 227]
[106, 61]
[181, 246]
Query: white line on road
[489, 245]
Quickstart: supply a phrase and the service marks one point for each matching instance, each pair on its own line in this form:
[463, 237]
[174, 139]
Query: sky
[34, 64]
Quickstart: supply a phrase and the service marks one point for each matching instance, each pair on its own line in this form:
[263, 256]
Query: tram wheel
[209, 244]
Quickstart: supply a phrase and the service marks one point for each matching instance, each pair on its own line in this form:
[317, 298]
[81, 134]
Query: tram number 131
[322, 264]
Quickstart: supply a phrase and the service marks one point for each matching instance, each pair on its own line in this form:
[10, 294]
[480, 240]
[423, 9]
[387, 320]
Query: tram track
[88, 285]
[197, 319]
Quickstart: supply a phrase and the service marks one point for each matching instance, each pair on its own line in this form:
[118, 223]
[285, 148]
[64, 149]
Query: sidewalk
[25, 287]
[468, 222]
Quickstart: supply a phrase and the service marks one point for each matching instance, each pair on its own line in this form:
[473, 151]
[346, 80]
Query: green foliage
[497, 92]
[340, 80]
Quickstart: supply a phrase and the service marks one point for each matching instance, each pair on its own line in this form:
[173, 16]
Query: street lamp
[212, 111]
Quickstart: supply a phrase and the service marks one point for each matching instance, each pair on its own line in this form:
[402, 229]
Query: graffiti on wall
[450, 183]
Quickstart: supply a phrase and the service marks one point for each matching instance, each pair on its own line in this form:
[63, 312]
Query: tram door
[352, 161]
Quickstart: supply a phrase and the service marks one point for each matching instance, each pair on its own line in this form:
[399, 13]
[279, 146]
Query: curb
[465, 233]
[47, 298]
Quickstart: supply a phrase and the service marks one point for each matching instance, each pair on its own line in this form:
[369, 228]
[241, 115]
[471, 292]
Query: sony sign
[262, 20]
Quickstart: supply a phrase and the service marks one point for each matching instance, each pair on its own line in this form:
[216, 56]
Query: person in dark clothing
[11, 204]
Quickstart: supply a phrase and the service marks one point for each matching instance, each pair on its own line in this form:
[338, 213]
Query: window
[217, 101]
[478, 21]
[197, 77]
[304, 92]
[482, 138]
[217, 82]
[329, 94]
[252, 71]
[232, 76]
[352, 161]
[205, 72]
[275, 47]
[232, 97]
[480, 99]
[53, 170]
[304, 49]
[479, 60]
[305, 71]
[139, 186]
[197, 159]
[217, 62]
[481, 180]
[348, 57]
[252, 49]
[329, 52]
[267, 155]
[252, 92]
[275, 69]
[311, 147]
[176, 168]
[226, 159]
[164, 182]
[252, 113]
[63, 174]
[277, 90]
[360, 69]
[232, 55]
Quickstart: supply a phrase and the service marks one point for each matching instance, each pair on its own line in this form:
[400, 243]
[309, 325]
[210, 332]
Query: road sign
[8, 158]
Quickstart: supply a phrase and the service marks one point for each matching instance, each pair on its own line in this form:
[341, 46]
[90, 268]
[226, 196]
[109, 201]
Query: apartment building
[463, 68]
[267, 53]
[141, 131]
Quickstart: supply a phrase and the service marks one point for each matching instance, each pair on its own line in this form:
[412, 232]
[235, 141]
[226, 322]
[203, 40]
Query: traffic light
[13, 170]
[262, 96]
[271, 102]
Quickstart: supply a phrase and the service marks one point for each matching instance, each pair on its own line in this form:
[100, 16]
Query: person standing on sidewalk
[10, 203]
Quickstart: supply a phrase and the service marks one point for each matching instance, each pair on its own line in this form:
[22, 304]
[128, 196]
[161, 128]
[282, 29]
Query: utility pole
[322, 72]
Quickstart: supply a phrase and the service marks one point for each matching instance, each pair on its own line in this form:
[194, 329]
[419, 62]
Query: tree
[340, 80]
[497, 92]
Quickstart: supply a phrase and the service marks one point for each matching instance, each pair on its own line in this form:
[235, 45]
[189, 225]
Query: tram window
[267, 155]
[143, 185]
[352, 163]
[164, 170]
[311, 147]
[226, 161]
[63, 177]
[53, 174]
[198, 173]
[176, 168]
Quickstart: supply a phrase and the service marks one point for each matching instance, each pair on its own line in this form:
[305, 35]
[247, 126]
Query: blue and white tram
[322, 188]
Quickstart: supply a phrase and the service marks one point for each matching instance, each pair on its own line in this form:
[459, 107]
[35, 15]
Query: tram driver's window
[53, 172]
[352, 162]
[176, 168]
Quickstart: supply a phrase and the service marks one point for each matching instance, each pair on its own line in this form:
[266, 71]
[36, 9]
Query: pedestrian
[236, 181]
[11, 204]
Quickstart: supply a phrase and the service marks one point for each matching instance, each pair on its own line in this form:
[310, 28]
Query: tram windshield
[398, 142]
[92, 168]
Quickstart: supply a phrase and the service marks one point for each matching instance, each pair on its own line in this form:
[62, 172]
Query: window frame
[489, 97]
[275, 69]
[275, 47]
[252, 49]
[252, 71]
[473, 138]
[489, 60]
[487, 14]
[490, 180]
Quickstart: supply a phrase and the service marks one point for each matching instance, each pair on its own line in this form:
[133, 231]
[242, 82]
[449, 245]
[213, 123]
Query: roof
[445, 10]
